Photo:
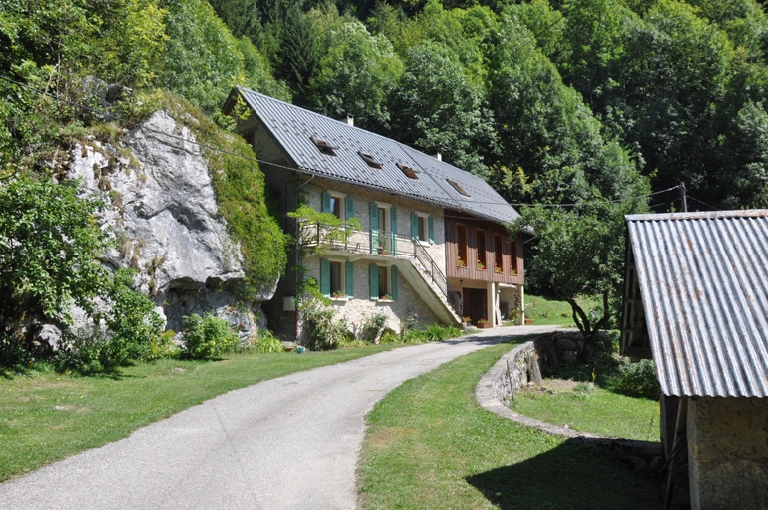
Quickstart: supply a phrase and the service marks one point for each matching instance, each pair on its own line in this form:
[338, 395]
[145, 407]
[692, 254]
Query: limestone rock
[165, 221]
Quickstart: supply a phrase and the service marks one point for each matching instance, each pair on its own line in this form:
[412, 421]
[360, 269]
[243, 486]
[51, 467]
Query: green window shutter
[431, 230]
[349, 279]
[393, 228]
[393, 276]
[414, 226]
[349, 203]
[326, 203]
[373, 271]
[325, 277]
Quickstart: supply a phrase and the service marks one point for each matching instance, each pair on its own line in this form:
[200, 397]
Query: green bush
[638, 380]
[323, 330]
[208, 336]
[266, 342]
[374, 326]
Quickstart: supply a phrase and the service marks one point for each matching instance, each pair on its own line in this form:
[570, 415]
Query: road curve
[287, 443]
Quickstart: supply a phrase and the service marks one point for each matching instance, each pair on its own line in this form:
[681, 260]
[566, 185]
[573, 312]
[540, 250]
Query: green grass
[49, 416]
[592, 409]
[544, 311]
[429, 445]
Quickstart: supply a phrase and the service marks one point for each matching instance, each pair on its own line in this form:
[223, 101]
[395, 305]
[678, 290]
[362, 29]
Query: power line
[143, 127]
[703, 203]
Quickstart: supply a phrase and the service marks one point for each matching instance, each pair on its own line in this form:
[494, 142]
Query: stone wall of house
[728, 453]
[363, 197]
[357, 309]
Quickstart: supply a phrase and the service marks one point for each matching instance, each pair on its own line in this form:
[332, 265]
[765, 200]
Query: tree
[580, 252]
[49, 241]
[553, 149]
[356, 75]
[297, 54]
[436, 107]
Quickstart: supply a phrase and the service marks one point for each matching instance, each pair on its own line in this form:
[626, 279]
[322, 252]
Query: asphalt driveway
[287, 443]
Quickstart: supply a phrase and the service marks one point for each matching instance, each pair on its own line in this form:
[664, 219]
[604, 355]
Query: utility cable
[142, 127]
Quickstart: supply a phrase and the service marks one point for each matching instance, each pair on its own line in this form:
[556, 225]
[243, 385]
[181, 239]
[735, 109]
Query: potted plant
[480, 265]
[339, 294]
[461, 262]
[385, 297]
[483, 323]
[497, 268]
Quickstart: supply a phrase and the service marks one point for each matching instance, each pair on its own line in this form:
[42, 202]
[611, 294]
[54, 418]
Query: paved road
[288, 443]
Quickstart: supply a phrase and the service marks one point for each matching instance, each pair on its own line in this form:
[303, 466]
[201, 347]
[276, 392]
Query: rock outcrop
[164, 218]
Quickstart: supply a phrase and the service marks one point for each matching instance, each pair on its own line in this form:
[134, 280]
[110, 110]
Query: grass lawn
[589, 408]
[50, 416]
[429, 445]
[550, 312]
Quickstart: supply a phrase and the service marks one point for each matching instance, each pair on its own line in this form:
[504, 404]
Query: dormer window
[368, 158]
[458, 187]
[408, 171]
[325, 147]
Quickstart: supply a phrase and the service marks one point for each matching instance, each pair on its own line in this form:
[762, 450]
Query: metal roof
[293, 128]
[704, 284]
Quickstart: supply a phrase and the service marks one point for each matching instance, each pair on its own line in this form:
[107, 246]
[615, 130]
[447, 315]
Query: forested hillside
[597, 106]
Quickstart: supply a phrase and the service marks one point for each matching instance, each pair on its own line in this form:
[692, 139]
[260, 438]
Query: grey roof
[704, 284]
[292, 127]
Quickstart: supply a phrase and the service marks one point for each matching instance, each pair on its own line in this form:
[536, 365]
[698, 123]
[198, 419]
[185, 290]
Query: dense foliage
[586, 102]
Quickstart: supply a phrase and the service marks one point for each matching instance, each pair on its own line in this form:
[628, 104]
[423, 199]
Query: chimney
[439, 156]
[350, 119]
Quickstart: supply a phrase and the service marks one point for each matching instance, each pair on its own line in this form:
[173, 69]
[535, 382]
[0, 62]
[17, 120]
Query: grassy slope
[429, 445]
[545, 311]
[52, 416]
[596, 410]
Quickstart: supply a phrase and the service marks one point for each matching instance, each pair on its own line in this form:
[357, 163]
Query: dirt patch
[387, 436]
[553, 386]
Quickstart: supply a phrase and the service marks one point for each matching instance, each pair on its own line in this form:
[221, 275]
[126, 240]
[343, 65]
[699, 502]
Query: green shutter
[431, 231]
[326, 203]
[393, 275]
[325, 277]
[393, 228]
[349, 279]
[373, 272]
[414, 226]
[349, 203]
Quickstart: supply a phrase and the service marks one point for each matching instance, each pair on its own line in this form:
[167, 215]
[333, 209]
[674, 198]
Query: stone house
[431, 244]
[696, 302]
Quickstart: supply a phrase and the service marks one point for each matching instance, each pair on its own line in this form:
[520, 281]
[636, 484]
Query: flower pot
[484, 325]
[528, 322]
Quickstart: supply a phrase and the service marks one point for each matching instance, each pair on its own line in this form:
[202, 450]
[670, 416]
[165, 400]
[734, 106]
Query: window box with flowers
[497, 269]
[461, 262]
[385, 298]
[339, 296]
[483, 323]
[480, 266]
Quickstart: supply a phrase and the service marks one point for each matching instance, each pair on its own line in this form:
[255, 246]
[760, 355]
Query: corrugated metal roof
[704, 284]
[293, 127]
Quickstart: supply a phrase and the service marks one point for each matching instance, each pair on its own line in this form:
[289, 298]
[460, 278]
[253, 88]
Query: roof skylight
[458, 187]
[325, 147]
[368, 158]
[410, 172]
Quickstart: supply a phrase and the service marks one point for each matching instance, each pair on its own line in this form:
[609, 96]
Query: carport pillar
[493, 304]
[521, 300]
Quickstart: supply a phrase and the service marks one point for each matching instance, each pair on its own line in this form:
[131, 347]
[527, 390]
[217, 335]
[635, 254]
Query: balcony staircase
[411, 258]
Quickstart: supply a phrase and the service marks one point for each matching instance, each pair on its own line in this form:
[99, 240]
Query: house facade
[424, 241]
[696, 302]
